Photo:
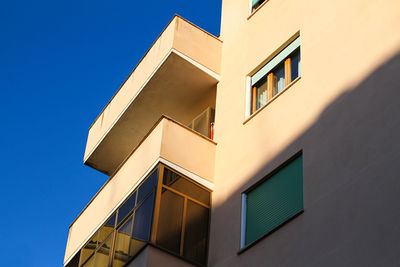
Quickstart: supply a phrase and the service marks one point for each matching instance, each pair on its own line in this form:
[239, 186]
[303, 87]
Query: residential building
[273, 144]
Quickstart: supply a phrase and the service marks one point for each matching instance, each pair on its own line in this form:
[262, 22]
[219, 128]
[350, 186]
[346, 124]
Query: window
[275, 76]
[256, 4]
[181, 207]
[272, 202]
[184, 217]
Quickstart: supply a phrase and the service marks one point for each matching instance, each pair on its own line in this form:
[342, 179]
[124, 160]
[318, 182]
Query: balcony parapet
[176, 77]
[168, 142]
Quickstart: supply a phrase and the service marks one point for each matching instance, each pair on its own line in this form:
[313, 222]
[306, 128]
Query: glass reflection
[170, 221]
[126, 208]
[147, 186]
[90, 262]
[142, 224]
[102, 255]
[121, 254]
[196, 232]
[182, 185]
[133, 231]
[106, 229]
[279, 79]
[89, 248]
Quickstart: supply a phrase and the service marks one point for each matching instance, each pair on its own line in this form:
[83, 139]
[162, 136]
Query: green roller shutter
[274, 201]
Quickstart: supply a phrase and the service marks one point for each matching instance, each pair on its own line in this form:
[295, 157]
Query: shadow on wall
[351, 162]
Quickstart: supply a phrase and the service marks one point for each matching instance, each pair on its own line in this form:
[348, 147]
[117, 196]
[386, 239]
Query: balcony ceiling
[173, 90]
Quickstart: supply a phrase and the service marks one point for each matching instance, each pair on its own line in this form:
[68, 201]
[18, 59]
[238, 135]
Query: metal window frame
[155, 213]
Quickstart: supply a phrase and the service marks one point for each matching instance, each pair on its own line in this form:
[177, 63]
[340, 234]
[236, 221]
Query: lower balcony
[160, 195]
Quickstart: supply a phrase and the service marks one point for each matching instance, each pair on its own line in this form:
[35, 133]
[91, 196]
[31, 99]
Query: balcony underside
[174, 90]
[176, 78]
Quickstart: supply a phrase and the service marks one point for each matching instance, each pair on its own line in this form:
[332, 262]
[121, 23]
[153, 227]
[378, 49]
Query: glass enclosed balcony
[167, 210]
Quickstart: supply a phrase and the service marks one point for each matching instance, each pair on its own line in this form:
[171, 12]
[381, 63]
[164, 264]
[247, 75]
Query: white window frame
[262, 71]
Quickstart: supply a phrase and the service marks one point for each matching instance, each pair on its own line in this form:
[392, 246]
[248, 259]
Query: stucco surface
[342, 113]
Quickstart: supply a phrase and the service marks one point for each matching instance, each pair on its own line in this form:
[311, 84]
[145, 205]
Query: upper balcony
[177, 77]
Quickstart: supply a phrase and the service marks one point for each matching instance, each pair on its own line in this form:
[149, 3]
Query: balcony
[170, 145]
[177, 77]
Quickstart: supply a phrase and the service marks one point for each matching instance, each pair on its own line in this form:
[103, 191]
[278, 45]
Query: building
[274, 144]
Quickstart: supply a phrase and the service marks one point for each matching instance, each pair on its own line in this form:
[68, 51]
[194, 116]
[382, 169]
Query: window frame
[155, 194]
[253, 10]
[243, 213]
[283, 56]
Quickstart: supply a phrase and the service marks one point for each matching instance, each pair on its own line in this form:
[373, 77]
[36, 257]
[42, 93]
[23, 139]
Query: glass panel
[121, 255]
[262, 93]
[170, 221]
[126, 208]
[295, 64]
[257, 3]
[275, 200]
[142, 225]
[279, 78]
[148, 185]
[196, 232]
[143, 214]
[89, 248]
[186, 187]
[106, 229]
[102, 255]
[89, 263]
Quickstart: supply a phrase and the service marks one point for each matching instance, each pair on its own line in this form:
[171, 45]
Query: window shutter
[275, 61]
[274, 201]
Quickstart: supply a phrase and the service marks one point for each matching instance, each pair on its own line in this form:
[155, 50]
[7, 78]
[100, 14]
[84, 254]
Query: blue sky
[60, 63]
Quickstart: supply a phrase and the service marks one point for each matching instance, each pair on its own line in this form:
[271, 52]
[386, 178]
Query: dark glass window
[295, 64]
[182, 185]
[147, 186]
[257, 3]
[170, 221]
[75, 260]
[126, 208]
[196, 232]
[143, 215]
[142, 224]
